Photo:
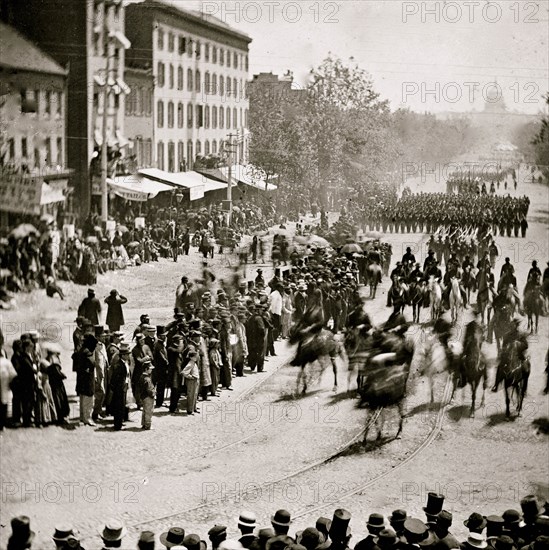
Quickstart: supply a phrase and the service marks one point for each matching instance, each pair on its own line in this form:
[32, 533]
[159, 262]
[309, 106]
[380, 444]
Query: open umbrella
[52, 347]
[373, 234]
[351, 248]
[91, 240]
[318, 242]
[24, 230]
[122, 228]
[132, 244]
[47, 218]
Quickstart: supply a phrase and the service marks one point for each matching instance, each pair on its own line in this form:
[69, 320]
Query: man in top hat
[90, 308]
[141, 353]
[115, 315]
[323, 525]
[415, 531]
[433, 508]
[101, 361]
[512, 525]
[62, 534]
[396, 520]
[21, 535]
[85, 377]
[193, 542]
[145, 390]
[217, 534]
[494, 527]
[340, 530]
[146, 541]
[144, 320]
[281, 522]
[173, 537]
[475, 523]
[78, 334]
[259, 280]
[118, 386]
[247, 523]
[375, 524]
[112, 534]
[446, 541]
[531, 510]
[160, 362]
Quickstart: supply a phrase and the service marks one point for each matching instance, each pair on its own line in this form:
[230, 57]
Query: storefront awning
[195, 183]
[136, 187]
[50, 195]
[248, 175]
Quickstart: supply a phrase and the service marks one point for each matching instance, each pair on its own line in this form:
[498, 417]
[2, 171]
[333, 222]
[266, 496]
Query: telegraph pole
[104, 164]
[229, 148]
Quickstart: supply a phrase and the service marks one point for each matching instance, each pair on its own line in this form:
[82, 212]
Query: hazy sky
[435, 56]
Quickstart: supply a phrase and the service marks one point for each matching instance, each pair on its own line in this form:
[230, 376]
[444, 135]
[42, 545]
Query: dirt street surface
[259, 447]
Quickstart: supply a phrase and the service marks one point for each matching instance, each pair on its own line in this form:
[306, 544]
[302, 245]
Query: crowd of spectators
[527, 529]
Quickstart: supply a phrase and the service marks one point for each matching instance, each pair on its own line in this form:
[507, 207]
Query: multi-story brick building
[200, 68]
[88, 37]
[32, 120]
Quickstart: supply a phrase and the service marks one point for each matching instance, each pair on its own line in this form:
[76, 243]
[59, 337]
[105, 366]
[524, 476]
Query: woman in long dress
[45, 408]
[59, 393]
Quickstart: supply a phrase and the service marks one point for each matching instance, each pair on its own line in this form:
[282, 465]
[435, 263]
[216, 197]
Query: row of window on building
[201, 116]
[35, 154]
[42, 102]
[212, 85]
[178, 163]
[210, 53]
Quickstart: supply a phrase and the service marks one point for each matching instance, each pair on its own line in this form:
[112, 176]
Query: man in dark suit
[119, 382]
[160, 362]
[90, 308]
[26, 381]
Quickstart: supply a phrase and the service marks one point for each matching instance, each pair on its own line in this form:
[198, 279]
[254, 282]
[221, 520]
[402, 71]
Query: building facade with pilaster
[200, 68]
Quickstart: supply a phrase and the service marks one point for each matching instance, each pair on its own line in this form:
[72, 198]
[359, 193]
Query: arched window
[190, 156]
[221, 85]
[228, 58]
[189, 116]
[207, 83]
[214, 147]
[160, 39]
[221, 117]
[214, 54]
[171, 156]
[214, 117]
[180, 115]
[228, 86]
[161, 75]
[181, 156]
[228, 118]
[235, 118]
[160, 114]
[214, 84]
[206, 116]
[160, 155]
[170, 115]
[179, 78]
[235, 87]
[171, 76]
[221, 56]
[206, 147]
[198, 147]
[197, 80]
[189, 80]
[245, 118]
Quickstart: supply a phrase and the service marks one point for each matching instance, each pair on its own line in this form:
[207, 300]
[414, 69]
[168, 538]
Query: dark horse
[415, 297]
[472, 369]
[533, 303]
[373, 278]
[315, 346]
[515, 372]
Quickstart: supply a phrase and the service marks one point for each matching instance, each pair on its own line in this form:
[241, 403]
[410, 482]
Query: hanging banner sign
[20, 192]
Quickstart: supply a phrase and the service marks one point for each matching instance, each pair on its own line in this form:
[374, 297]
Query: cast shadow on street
[541, 424]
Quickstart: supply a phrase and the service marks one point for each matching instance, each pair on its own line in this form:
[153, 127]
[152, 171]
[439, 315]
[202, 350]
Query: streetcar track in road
[426, 443]
[333, 456]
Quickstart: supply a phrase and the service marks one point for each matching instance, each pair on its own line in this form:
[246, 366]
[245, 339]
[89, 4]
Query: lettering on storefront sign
[20, 193]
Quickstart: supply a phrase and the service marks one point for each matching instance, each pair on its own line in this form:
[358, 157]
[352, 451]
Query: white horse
[435, 298]
[456, 300]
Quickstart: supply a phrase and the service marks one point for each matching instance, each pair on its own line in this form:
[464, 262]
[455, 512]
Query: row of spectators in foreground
[513, 530]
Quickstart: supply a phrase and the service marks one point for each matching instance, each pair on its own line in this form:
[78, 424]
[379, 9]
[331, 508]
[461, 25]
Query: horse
[384, 387]
[516, 373]
[456, 301]
[469, 281]
[315, 347]
[416, 296]
[373, 276]
[435, 298]
[533, 305]
[472, 369]
[500, 322]
[484, 295]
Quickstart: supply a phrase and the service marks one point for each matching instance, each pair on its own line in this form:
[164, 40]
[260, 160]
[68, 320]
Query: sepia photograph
[274, 274]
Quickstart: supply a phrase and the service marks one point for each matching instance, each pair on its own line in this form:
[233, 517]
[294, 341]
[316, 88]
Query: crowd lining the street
[527, 529]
